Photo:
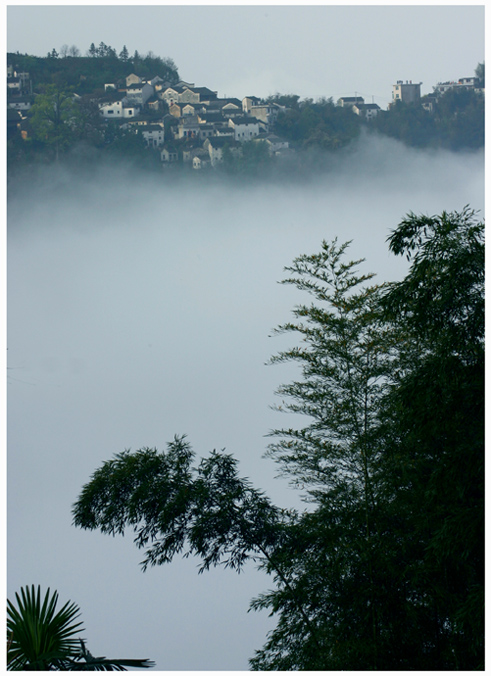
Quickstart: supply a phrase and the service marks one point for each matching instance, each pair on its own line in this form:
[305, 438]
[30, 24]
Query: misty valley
[148, 387]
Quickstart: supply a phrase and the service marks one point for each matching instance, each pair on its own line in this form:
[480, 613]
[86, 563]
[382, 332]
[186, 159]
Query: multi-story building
[406, 92]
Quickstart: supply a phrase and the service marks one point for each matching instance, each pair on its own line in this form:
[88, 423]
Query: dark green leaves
[346, 357]
[40, 638]
[173, 507]
[442, 297]
[37, 634]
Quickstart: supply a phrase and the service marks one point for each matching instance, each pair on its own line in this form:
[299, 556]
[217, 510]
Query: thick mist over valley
[140, 307]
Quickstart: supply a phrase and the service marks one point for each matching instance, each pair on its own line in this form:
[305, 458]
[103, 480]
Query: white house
[245, 128]
[188, 109]
[350, 101]
[215, 147]
[274, 143]
[153, 135]
[14, 84]
[188, 127]
[266, 112]
[118, 110]
[248, 102]
[170, 95]
[169, 155]
[463, 83]
[19, 103]
[223, 129]
[112, 109]
[367, 110]
[138, 94]
[408, 92]
[201, 160]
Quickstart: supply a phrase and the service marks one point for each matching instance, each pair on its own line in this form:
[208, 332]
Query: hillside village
[191, 124]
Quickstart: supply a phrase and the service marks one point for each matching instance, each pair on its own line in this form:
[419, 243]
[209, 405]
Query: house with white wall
[367, 110]
[169, 154]
[406, 92]
[14, 85]
[350, 101]
[20, 103]
[201, 160]
[153, 135]
[188, 127]
[111, 110]
[245, 128]
[274, 143]
[266, 112]
[119, 109]
[138, 94]
[462, 83]
[215, 147]
[170, 94]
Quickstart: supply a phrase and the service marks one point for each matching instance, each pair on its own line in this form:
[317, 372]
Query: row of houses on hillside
[194, 124]
[190, 123]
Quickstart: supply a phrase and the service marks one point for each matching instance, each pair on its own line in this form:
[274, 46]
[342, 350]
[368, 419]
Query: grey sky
[313, 51]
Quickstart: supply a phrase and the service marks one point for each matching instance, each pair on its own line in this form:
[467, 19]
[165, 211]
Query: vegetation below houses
[455, 123]
[316, 124]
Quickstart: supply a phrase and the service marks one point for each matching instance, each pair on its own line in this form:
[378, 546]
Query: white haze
[139, 309]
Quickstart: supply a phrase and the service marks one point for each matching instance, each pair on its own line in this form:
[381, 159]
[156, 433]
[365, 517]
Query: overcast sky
[312, 51]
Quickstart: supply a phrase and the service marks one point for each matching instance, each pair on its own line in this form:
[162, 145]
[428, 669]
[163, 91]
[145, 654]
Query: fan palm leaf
[38, 636]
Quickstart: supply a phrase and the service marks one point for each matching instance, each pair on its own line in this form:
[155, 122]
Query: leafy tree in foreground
[40, 638]
[416, 579]
[436, 419]
[384, 570]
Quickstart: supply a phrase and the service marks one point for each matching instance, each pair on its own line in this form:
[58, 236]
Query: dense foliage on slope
[84, 74]
[456, 122]
[317, 124]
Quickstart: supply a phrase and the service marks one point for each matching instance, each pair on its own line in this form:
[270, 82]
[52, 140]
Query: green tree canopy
[54, 116]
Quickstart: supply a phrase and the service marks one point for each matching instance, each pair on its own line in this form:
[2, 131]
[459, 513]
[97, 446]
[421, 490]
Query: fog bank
[140, 308]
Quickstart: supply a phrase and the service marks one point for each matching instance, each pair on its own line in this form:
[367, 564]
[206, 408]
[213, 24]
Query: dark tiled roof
[221, 141]
[245, 119]
[203, 91]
